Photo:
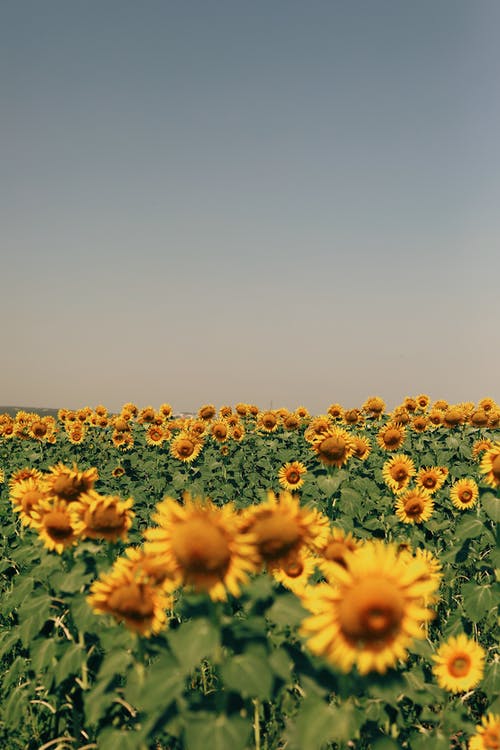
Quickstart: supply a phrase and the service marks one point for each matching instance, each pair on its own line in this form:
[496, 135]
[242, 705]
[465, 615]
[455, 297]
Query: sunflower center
[495, 467]
[414, 507]
[459, 666]
[399, 473]
[276, 535]
[58, 525]
[335, 551]
[201, 547]
[66, 487]
[185, 447]
[132, 601]
[466, 496]
[429, 482]
[294, 568]
[392, 437]
[371, 611]
[333, 448]
[293, 476]
[105, 519]
[39, 429]
[491, 738]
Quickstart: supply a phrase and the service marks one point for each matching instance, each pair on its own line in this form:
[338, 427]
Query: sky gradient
[280, 203]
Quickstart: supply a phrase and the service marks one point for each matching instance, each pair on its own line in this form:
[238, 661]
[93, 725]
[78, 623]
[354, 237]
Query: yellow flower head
[415, 506]
[459, 664]
[53, 521]
[290, 475]
[490, 465]
[397, 472]
[464, 493]
[334, 447]
[488, 734]
[69, 484]
[102, 516]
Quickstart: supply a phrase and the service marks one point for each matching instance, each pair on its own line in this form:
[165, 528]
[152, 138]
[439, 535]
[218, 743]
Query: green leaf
[249, 675]
[33, 614]
[281, 664]
[317, 723]
[429, 742]
[115, 739]
[71, 662]
[385, 743]
[43, 652]
[469, 528]
[491, 504]
[21, 591]
[491, 681]
[97, 702]
[155, 687]
[193, 641]
[15, 707]
[287, 610]
[115, 663]
[478, 600]
[209, 732]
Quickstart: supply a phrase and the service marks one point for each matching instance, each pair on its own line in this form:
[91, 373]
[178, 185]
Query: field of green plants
[244, 578]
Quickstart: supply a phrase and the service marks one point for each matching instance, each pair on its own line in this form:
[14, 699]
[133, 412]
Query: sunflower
[423, 401]
[318, 426]
[494, 418]
[336, 411]
[440, 404]
[296, 572]
[370, 612]
[414, 506]
[155, 435]
[238, 433]
[186, 446]
[397, 472]
[490, 465]
[267, 421]
[391, 436]
[122, 440]
[410, 404]
[453, 416]
[25, 495]
[22, 474]
[282, 528]
[459, 664]
[52, 519]
[69, 484]
[290, 475]
[435, 417]
[302, 412]
[146, 415]
[361, 447]
[488, 734]
[150, 569]
[480, 446]
[334, 447]
[291, 422]
[165, 410]
[420, 423]
[432, 569]
[374, 406]
[336, 547]
[400, 416]
[464, 493]
[76, 434]
[431, 478]
[118, 471]
[241, 409]
[479, 418]
[196, 427]
[207, 411]
[38, 429]
[201, 545]
[225, 411]
[2, 476]
[220, 430]
[124, 594]
[102, 516]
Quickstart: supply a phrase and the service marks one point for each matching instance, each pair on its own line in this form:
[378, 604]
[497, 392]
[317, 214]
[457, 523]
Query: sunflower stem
[256, 723]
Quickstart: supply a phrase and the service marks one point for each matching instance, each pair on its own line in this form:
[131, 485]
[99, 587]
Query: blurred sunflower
[207, 411]
[118, 471]
[282, 528]
[459, 664]
[296, 572]
[487, 404]
[129, 598]
[397, 472]
[53, 521]
[464, 493]
[21, 474]
[122, 440]
[453, 416]
[186, 446]
[335, 549]
[201, 545]
[488, 733]
[479, 418]
[290, 475]
[431, 478]
[302, 412]
[391, 436]
[490, 465]
[2, 476]
[440, 405]
[241, 409]
[415, 506]
[494, 418]
[97, 516]
[410, 404]
[370, 612]
[334, 447]
[69, 484]
[25, 496]
[353, 416]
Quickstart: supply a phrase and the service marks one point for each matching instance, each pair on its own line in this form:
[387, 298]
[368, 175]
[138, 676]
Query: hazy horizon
[277, 203]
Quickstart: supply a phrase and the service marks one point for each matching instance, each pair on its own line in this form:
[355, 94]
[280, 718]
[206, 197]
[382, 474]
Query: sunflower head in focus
[268, 421]
[220, 430]
[374, 407]
[361, 447]
[431, 478]
[97, 516]
[490, 465]
[487, 735]
[130, 598]
[423, 401]
[186, 447]
[201, 545]
[464, 493]
[391, 436]
[291, 475]
[397, 472]
[282, 528]
[155, 435]
[291, 422]
[69, 484]
[415, 506]
[453, 417]
[53, 521]
[334, 448]
[369, 612]
[336, 411]
[420, 423]
[459, 664]
[146, 415]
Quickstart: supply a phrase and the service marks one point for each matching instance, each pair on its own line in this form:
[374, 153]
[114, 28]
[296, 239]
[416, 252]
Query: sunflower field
[243, 579]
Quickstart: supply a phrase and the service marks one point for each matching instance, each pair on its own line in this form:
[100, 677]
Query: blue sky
[276, 202]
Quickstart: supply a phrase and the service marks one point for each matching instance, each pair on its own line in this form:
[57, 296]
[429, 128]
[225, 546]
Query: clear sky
[275, 202]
